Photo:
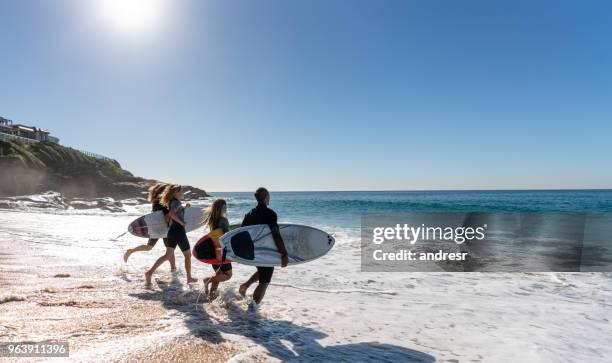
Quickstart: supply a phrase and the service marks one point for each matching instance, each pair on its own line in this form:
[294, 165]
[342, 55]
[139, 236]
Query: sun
[132, 16]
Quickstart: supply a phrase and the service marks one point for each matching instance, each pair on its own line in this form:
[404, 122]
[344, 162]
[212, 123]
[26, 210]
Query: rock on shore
[46, 166]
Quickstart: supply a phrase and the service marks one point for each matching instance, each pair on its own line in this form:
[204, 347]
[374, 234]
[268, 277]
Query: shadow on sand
[281, 339]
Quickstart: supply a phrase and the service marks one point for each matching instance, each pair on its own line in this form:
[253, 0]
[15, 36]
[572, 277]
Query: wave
[55, 203]
[11, 298]
[340, 291]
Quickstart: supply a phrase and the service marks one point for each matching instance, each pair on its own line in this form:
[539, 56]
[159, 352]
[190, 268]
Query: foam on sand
[11, 298]
[321, 311]
[341, 291]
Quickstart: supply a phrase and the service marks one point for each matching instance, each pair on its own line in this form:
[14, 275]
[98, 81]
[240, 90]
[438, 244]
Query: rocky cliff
[44, 166]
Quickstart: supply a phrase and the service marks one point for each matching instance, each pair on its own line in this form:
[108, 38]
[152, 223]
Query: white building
[27, 132]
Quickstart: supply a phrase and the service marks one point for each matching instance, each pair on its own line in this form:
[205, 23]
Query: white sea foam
[338, 291]
[327, 309]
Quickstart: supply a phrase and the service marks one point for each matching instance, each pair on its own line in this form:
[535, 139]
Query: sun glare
[132, 16]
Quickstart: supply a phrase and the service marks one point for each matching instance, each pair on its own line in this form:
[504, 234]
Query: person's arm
[278, 239]
[174, 217]
[280, 245]
[218, 249]
[224, 225]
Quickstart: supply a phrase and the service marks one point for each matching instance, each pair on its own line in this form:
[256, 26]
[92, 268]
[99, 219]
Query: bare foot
[242, 290]
[213, 295]
[191, 280]
[148, 276]
[206, 282]
[127, 254]
[253, 307]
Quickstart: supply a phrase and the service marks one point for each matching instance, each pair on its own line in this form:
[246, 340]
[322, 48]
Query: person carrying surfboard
[155, 191]
[215, 219]
[177, 236]
[263, 215]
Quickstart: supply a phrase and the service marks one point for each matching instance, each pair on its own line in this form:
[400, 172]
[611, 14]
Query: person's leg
[162, 259]
[221, 276]
[265, 276]
[187, 255]
[140, 248]
[223, 273]
[208, 280]
[213, 287]
[183, 243]
[242, 290]
[171, 259]
[260, 292]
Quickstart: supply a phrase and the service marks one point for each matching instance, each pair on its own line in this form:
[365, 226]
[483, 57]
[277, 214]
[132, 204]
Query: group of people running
[167, 198]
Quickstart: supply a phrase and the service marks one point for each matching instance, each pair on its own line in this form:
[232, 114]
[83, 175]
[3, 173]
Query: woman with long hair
[177, 236]
[155, 191]
[215, 219]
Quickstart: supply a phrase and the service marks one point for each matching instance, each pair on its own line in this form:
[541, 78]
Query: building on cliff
[32, 135]
[21, 132]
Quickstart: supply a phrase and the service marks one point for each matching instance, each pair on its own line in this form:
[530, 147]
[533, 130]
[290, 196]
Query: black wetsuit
[262, 215]
[155, 207]
[177, 236]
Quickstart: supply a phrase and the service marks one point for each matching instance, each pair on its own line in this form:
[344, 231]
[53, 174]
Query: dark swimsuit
[262, 215]
[155, 207]
[177, 236]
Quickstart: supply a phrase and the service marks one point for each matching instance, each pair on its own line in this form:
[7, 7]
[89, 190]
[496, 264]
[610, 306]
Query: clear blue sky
[321, 95]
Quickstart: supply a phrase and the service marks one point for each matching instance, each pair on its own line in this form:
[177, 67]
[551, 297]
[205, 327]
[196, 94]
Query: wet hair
[213, 214]
[154, 191]
[261, 194]
[168, 194]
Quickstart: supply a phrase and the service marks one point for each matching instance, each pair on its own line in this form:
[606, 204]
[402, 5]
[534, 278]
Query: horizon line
[415, 190]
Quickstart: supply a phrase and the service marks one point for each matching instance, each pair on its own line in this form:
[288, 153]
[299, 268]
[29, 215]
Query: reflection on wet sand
[281, 339]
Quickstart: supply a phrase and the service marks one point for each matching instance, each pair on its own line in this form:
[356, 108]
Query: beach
[63, 279]
[430, 174]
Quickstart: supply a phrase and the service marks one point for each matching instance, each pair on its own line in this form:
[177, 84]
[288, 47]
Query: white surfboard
[153, 225]
[254, 245]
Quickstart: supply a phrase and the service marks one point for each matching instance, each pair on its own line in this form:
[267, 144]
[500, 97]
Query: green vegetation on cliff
[55, 158]
[14, 153]
[43, 166]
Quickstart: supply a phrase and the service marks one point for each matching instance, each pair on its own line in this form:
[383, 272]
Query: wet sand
[63, 279]
[100, 318]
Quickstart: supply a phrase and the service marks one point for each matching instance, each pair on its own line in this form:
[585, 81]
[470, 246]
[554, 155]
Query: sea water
[515, 248]
[324, 310]
[344, 209]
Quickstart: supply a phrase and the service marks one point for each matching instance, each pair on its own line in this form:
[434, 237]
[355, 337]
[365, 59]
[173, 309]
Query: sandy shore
[62, 278]
[102, 319]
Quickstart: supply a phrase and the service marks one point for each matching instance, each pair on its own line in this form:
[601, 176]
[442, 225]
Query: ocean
[344, 209]
[529, 231]
[63, 278]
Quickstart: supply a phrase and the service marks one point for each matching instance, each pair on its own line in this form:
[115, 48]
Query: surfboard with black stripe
[254, 245]
[153, 225]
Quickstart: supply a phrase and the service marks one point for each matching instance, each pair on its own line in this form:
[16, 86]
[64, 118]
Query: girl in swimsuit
[155, 191]
[177, 236]
[215, 218]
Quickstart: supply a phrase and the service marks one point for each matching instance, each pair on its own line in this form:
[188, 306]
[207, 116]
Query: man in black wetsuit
[263, 215]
